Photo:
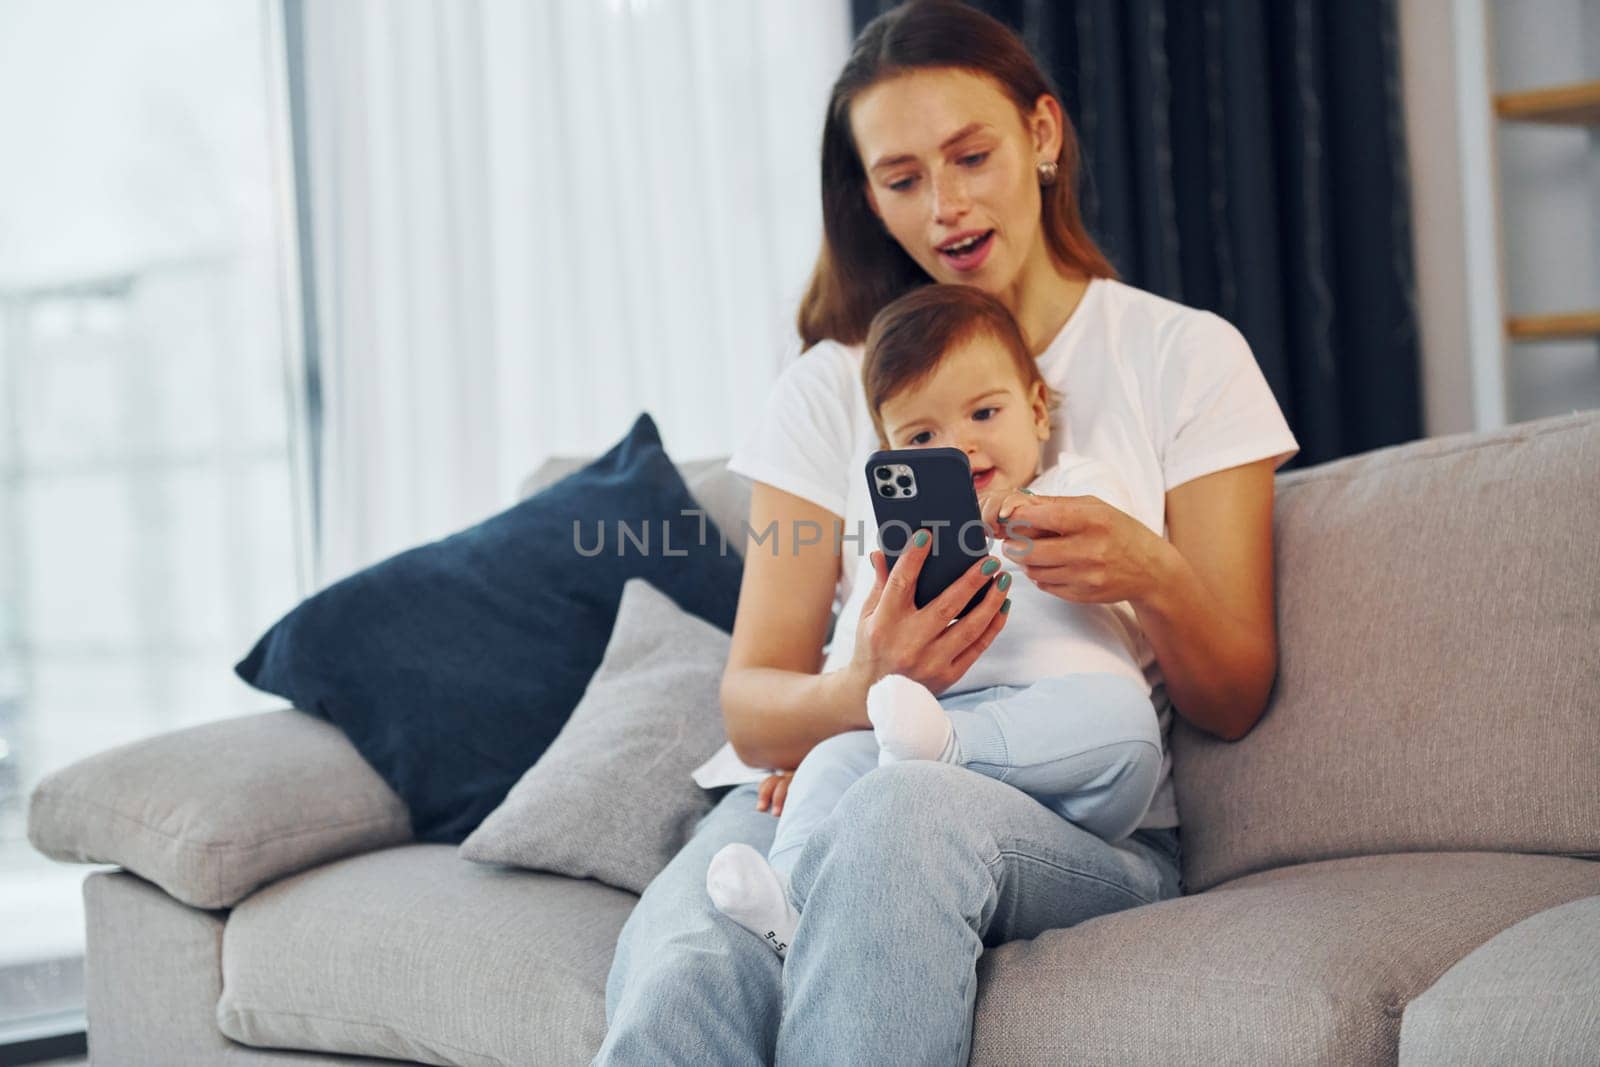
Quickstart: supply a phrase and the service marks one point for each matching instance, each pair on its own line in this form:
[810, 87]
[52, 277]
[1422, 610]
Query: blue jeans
[919, 867]
[1087, 746]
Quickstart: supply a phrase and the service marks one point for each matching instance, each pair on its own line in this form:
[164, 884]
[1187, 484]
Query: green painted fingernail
[920, 539]
[1004, 583]
[1005, 609]
[990, 566]
[1030, 492]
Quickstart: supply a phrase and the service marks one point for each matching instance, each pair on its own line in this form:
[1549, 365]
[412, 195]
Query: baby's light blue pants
[1086, 746]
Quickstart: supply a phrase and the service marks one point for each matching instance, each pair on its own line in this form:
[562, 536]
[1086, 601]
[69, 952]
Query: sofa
[1398, 864]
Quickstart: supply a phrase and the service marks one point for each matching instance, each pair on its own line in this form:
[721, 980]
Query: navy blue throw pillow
[452, 666]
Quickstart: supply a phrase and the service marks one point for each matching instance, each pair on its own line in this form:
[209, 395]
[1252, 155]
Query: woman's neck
[1044, 297]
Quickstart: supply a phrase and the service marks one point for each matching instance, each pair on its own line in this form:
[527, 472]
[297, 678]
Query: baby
[1058, 705]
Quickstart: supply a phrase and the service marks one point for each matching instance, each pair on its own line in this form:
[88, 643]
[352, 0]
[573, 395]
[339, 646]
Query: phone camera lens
[904, 481]
[883, 473]
[888, 490]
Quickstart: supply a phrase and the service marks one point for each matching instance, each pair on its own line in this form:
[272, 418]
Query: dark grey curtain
[1247, 156]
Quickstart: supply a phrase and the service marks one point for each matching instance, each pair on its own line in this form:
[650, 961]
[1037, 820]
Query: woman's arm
[774, 703]
[1209, 615]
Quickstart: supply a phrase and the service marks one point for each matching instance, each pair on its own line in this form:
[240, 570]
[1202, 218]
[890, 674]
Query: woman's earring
[1048, 171]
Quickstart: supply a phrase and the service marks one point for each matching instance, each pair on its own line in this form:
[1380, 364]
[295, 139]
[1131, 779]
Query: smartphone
[929, 489]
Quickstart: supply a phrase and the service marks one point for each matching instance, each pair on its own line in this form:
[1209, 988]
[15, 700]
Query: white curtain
[530, 221]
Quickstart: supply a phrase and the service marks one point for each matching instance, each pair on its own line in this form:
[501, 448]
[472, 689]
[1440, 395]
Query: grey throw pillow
[612, 798]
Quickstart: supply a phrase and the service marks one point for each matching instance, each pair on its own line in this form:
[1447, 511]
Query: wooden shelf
[1568, 105]
[1573, 327]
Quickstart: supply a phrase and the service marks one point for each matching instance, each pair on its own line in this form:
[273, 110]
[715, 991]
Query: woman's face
[952, 172]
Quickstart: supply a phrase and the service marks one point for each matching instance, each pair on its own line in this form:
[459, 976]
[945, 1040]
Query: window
[149, 515]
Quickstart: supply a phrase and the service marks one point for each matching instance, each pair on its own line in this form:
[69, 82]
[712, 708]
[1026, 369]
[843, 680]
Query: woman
[946, 157]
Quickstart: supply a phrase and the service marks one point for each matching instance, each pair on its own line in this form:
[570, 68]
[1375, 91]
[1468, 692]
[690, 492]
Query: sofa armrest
[1530, 994]
[212, 812]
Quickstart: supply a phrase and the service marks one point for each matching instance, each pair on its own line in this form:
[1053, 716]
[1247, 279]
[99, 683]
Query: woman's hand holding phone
[895, 637]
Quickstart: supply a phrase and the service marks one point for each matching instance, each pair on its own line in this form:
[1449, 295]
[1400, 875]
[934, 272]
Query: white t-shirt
[1160, 392]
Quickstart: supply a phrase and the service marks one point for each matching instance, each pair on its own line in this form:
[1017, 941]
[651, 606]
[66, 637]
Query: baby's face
[975, 401]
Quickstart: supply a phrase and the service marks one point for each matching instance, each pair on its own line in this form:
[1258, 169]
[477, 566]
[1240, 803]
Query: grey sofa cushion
[1308, 964]
[612, 797]
[415, 954]
[154, 980]
[1531, 995]
[1439, 642]
[211, 812]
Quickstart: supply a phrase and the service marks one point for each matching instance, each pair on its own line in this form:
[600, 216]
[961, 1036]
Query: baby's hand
[995, 505]
[774, 791]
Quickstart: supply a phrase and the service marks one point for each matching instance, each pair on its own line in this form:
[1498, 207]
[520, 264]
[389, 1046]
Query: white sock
[745, 888]
[908, 721]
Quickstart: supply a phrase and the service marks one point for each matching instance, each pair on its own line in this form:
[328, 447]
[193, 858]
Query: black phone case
[944, 503]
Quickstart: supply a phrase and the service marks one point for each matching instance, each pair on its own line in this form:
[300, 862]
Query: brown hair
[860, 267]
[912, 334]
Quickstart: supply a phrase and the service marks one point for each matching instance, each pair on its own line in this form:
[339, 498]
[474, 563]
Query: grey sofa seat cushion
[417, 954]
[1439, 645]
[1307, 964]
[1530, 995]
[211, 812]
[154, 980]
